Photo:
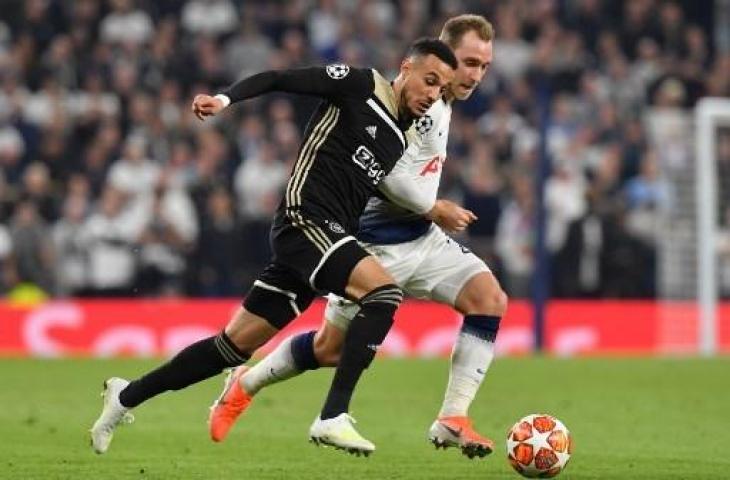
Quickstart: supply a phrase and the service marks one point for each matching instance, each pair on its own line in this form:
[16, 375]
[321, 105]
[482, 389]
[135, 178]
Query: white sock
[470, 360]
[275, 367]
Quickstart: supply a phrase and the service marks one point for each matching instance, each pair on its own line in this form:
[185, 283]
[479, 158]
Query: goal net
[693, 248]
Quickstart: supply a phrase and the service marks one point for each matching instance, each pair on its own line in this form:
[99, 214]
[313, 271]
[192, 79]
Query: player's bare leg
[483, 303]
[378, 297]
[328, 344]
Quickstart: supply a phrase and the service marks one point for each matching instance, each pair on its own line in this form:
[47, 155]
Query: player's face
[475, 58]
[426, 78]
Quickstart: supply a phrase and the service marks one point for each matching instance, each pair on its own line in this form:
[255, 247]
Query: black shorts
[309, 255]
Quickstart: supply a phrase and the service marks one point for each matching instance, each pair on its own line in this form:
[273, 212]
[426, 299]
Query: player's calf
[328, 345]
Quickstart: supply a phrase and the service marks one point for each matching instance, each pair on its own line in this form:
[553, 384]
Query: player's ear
[406, 65]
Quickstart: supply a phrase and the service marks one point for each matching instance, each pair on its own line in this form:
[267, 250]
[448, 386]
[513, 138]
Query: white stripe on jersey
[374, 105]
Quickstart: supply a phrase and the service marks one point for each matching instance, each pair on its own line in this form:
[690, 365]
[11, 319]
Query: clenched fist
[450, 216]
[206, 106]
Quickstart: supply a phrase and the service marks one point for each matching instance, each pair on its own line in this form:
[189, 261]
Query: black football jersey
[351, 142]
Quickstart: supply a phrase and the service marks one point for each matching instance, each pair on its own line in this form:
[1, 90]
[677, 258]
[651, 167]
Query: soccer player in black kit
[352, 141]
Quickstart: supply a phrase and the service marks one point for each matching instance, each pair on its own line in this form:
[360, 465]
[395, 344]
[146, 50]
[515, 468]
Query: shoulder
[351, 78]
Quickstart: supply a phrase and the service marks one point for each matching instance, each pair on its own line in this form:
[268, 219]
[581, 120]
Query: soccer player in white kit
[405, 231]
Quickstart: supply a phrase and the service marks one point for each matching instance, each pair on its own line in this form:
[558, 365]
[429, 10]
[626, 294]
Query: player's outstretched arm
[330, 82]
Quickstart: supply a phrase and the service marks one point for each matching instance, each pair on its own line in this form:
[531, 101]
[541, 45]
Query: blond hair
[456, 27]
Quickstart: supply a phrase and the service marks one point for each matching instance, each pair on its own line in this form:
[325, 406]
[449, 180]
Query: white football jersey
[410, 189]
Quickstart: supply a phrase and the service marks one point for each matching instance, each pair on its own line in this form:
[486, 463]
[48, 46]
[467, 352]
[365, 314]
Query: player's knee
[367, 277]
[486, 299]
[498, 301]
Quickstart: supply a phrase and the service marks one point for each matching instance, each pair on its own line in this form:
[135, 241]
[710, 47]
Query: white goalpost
[710, 115]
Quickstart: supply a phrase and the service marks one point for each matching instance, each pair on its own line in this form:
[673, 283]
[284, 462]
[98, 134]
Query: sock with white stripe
[292, 357]
[367, 331]
[472, 354]
[197, 362]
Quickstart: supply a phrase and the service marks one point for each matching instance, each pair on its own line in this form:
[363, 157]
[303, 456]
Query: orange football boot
[229, 406]
[458, 432]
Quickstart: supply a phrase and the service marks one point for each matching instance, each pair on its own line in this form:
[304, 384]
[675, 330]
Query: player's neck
[404, 115]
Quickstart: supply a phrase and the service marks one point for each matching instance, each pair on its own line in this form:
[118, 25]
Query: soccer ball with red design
[539, 445]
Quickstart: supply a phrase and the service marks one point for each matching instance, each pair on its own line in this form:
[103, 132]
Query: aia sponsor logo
[433, 165]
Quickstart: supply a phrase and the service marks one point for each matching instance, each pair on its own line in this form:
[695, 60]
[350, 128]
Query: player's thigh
[399, 260]
[445, 270]
[277, 296]
[367, 275]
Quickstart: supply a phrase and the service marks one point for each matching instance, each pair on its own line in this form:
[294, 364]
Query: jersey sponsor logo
[337, 70]
[365, 159]
[335, 227]
[433, 165]
[424, 124]
[372, 130]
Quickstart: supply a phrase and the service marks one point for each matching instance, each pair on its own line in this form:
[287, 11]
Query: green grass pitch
[631, 418]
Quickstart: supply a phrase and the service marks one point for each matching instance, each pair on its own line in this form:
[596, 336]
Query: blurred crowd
[110, 187]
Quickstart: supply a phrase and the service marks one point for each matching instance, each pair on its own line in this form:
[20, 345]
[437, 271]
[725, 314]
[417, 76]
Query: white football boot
[340, 433]
[112, 415]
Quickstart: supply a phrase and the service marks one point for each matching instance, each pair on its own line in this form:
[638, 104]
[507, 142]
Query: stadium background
[109, 187]
[127, 227]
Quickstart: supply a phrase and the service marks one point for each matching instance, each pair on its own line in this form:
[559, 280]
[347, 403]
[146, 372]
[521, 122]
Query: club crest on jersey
[372, 130]
[335, 227]
[337, 70]
[424, 124]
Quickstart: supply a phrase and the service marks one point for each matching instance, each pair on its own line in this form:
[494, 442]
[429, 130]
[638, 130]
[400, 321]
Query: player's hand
[206, 106]
[450, 216]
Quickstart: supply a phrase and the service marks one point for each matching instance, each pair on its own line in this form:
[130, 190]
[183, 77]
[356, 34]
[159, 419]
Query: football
[539, 445]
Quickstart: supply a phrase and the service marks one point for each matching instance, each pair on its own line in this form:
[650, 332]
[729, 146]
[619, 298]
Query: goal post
[710, 115]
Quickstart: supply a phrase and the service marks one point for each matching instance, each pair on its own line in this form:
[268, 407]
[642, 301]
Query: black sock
[195, 363]
[367, 331]
[302, 350]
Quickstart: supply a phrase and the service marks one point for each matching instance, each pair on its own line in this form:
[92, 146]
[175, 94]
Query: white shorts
[432, 267]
